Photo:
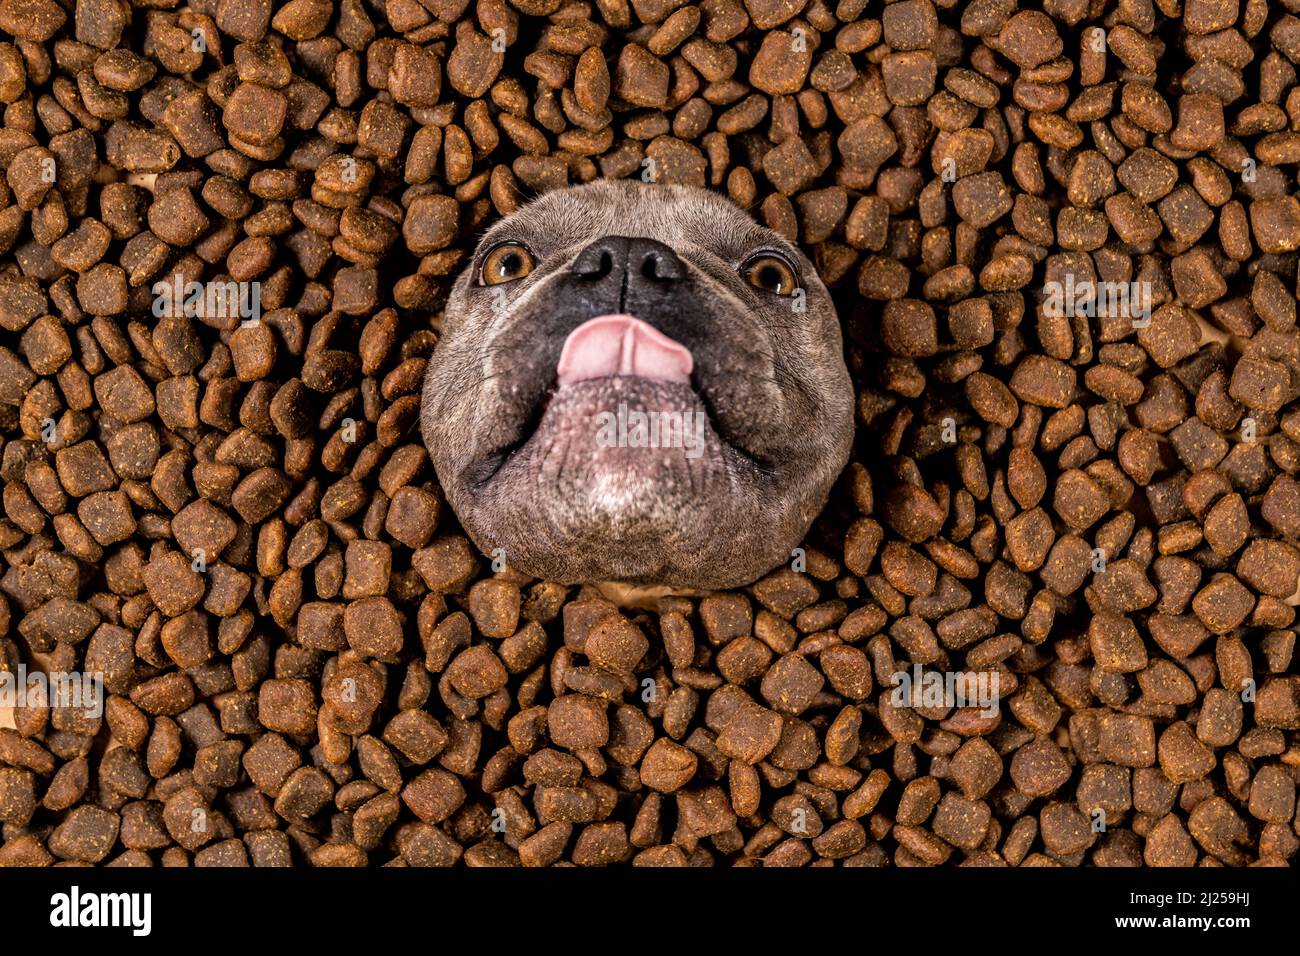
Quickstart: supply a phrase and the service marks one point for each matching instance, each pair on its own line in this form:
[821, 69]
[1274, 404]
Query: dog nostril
[660, 266]
[594, 263]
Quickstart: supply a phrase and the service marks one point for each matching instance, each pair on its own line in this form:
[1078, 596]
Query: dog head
[638, 383]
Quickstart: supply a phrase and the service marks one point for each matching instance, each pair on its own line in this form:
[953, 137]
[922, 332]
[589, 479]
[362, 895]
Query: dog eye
[771, 274]
[505, 263]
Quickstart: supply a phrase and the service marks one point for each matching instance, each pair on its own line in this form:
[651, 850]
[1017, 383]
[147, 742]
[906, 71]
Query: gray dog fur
[772, 379]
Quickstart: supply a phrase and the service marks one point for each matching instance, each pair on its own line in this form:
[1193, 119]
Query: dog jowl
[638, 383]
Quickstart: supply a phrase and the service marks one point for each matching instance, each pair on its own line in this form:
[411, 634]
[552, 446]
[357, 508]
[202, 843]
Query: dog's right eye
[505, 263]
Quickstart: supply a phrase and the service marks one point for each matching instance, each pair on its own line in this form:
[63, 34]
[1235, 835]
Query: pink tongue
[622, 345]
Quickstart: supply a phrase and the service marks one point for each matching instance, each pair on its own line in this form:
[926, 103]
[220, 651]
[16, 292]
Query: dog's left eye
[505, 263]
[770, 273]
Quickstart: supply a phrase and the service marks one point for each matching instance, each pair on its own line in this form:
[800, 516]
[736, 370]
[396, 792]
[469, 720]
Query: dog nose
[638, 259]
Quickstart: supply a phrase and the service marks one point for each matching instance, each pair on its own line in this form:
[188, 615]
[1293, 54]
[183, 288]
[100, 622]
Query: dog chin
[618, 450]
[624, 474]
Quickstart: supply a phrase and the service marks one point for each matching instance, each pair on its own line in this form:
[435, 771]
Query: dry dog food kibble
[1049, 616]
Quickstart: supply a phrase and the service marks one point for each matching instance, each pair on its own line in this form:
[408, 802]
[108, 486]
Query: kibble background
[347, 682]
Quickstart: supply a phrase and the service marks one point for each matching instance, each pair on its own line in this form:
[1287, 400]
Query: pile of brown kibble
[307, 662]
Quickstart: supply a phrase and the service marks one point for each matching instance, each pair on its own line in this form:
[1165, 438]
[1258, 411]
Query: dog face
[638, 383]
